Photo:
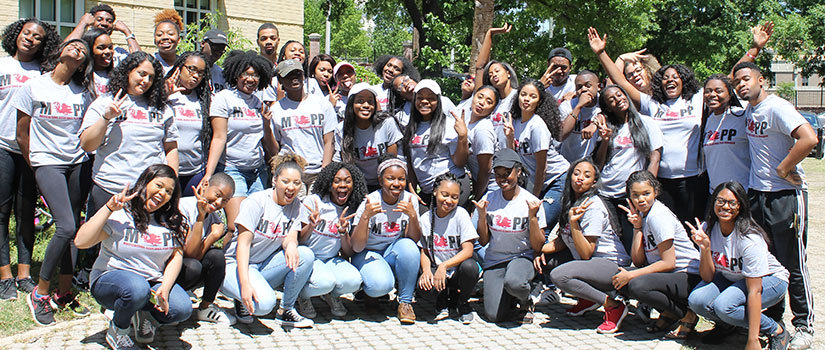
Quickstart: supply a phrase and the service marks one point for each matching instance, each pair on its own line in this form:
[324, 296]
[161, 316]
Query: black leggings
[460, 286]
[18, 191]
[65, 188]
[210, 270]
[686, 196]
[664, 291]
[626, 233]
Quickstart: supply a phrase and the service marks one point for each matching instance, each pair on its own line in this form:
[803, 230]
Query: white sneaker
[213, 313]
[306, 308]
[335, 305]
[802, 339]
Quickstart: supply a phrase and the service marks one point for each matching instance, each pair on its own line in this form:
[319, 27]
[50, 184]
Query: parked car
[812, 118]
[821, 118]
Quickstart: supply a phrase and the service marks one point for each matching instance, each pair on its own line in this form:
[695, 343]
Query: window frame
[200, 13]
[79, 10]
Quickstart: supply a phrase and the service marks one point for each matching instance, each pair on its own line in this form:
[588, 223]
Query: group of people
[688, 198]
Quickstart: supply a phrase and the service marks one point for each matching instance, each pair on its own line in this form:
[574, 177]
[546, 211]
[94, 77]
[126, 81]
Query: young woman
[241, 133]
[534, 130]
[499, 75]
[26, 42]
[141, 233]
[320, 80]
[740, 277]
[667, 263]
[344, 75]
[365, 134]
[325, 219]
[388, 67]
[467, 90]
[589, 234]
[203, 263]
[385, 236]
[481, 135]
[292, 50]
[511, 224]
[168, 26]
[629, 142]
[401, 98]
[49, 113]
[102, 52]
[265, 252]
[130, 127]
[638, 68]
[447, 264]
[724, 134]
[435, 143]
[189, 84]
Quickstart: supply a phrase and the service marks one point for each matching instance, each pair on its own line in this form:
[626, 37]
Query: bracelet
[575, 117]
[130, 36]
[749, 55]
[110, 209]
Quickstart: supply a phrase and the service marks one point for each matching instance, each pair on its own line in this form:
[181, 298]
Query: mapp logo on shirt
[302, 121]
[523, 146]
[242, 113]
[439, 242]
[147, 240]
[368, 152]
[190, 114]
[730, 263]
[271, 229]
[388, 229]
[57, 109]
[669, 114]
[419, 141]
[140, 115]
[723, 136]
[321, 229]
[757, 129]
[515, 224]
[12, 79]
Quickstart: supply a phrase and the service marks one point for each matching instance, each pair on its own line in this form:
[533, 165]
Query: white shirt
[623, 158]
[443, 237]
[558, 92]
[508, 224]
[501, 111]
[269, 222]
[659, 225]
[738, 256]
[166, 67]
[680, 122]
[300, 127]
[725, 148]
[533, 136]
[428, 166]
[188, 207]
[770, 124]
[325, 239]
[189, 120]
[370, 144]
[244, 128]
[574, 147]
[13, 74]
[387, 227]
[596, 223]
[482, 138]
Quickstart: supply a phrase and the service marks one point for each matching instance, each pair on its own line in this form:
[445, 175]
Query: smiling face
[103, 21]
[484, 102]
[616, 100]
[103, 51]
[364, 105]
[392, 69]
[323, 72]
[141, 78]
[528, 98]
[404, 86]
[499, 76]
[717, 96]
[74, 53]
[29, 40]
[294, 51]
[560, 77]
[426, 101]
[287, 185]
[507, 178]
[446, 197]
[672, 83]
[636, 74]
[393, 181]
[268, 40]
[192, 72]
[158, 192]
[167, 37]
[726, 206]
[341, 187]
[643, 195]
[248, 81]
[583, 177]
[217, 196]
[748, 83]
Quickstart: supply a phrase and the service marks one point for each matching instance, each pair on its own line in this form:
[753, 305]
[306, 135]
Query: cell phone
[153, 297]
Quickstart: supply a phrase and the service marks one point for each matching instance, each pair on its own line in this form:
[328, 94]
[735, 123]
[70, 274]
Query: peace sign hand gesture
[509, 130]
[460, 124]
[632, 215]
[334, 96]
[605, 132]
[200, 196]
[761, 34]
[314, 214]
[171, 83]
[343, 221]
[698, 235]
[576, 213]
[597, 44]
[119, 200]
[549, 72]
[113, 109]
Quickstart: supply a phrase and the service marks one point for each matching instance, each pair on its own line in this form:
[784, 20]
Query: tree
[196, 30]
[347, 39]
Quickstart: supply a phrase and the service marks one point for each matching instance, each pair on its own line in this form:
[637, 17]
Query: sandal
[683, 330]
[657, 326]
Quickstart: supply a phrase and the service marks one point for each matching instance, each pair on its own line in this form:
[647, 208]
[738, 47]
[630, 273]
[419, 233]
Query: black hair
[438, 125]
[323, 183]
[47, 44]
[168, 215]
[282, 53]
[267, 25]
[349, 153]
[744, 222]
[119, 78]
[569, 200]
[643, 176]
[89, 37]
[485, 75]
[287, 160]
[203, 91]
[690, 85]
[638, 132]
[237, 61]
[496, 96]
[706, 112]
[314, 63]
[407, 67]
[395, 102]
[83, 75]
[749, 65]
[585, 72]
[443, 178]
[547, 109]
[102, 7]
[222, 179]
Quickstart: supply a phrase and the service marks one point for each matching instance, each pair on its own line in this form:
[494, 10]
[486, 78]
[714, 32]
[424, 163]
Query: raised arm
[761, 35]
[484, 53]
[597, 44]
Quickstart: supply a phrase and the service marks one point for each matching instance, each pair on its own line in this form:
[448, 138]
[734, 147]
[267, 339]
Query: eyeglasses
[194, 71]
[250, 76]
[733, 203]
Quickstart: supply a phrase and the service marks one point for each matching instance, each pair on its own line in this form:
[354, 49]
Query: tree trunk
[482, 21]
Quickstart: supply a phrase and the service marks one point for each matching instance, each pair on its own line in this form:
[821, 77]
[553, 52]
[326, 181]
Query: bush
[786, 91]
[195, 31]
[366, 74]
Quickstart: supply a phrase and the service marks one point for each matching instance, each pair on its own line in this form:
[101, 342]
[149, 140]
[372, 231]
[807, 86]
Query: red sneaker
[582, 306]
[612, 319]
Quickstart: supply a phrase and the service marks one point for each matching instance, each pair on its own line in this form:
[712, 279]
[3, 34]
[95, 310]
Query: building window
[62, 13]
[193, 11]
[805, 81]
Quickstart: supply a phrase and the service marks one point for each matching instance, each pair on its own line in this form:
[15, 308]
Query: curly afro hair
[119, 78]
[547, 110]
[407, 68]
[238, 61]
[47, 44]
[169, 16]
[690, 85]
[323, 183]
[102, 7]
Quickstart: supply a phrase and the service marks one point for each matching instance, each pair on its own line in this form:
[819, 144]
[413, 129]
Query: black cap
[561, 52]
[215, 36]
[506, 157]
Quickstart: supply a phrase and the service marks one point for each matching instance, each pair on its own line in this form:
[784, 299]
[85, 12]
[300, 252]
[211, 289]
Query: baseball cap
[561, 52]
[428, 84]
[288, 66]
[215, 36]
[506, 157]
[361, 87]
[341, 65]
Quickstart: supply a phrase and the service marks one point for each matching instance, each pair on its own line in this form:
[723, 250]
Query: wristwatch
[130, 36]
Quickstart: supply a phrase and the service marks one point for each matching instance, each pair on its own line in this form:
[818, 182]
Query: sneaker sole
[245, 321]
[407, 321]
[290, 324]
[31, 311]
[618, 324]
[583, 311]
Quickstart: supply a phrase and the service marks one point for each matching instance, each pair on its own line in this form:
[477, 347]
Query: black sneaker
[291, 318]
[7, 289]
[118, 339]
[69, 301]
[465, 313]
[26, 285]
[144, 327]
[41, 309]
[81, 278]
[779, 341]
[242, 314]
[528, 310]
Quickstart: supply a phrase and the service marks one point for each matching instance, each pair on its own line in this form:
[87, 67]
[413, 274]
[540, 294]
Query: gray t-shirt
[387, 227]
[482, 138]
[370, 143]
[166, 66]
[133, 141]
[218, 81]
[127, 248]
[300, 126]
[189, 120]
[244, 128]
[382, 95]
[738, 256]
[509, 226]
[725, 148]
[596, 223]
[659, 225]
[574, 147]
[769, 125]
[188, 207]
[624, 158]
[447, 106]
[13, 74]
[428, 166]
[558, 92]
[533, 136]
[101, 78]
[443, 236]
[269, 222]
[501, 111]
[56, 114]
[324, 240]
[680, 122]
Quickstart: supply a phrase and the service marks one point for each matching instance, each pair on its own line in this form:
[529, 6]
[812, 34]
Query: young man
[103, 17]
[557, 78]
[780, 138]
[268, 39]
[213, 45]
[578, 126]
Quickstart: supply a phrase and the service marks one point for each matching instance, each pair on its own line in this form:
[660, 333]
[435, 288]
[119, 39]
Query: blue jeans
[380, 269]
[551, 211]
[336, 276]
[247, 181]
[126, 293]
[726, 301]
[268, 275]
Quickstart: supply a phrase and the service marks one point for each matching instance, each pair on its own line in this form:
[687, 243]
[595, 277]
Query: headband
[392, 162]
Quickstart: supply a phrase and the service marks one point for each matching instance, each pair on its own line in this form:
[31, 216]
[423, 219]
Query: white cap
[355, 89]
[428, 84]
[340, 65]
